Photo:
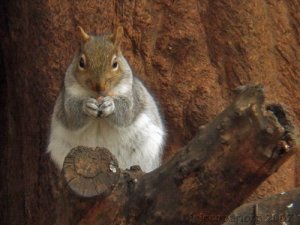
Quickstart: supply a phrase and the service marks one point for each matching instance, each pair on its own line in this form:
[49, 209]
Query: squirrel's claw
[107, 106]
[91, 107]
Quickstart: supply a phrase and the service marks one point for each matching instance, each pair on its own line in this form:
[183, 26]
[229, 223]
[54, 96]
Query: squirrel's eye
[82, 62]
[114, 64]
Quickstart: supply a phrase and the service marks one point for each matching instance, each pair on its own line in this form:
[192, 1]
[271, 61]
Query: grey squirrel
[103, 104]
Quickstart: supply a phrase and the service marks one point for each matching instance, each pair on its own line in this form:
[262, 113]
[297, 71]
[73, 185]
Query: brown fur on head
[97, 63]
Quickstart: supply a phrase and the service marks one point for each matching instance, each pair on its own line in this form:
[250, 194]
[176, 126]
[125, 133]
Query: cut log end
[91, 172]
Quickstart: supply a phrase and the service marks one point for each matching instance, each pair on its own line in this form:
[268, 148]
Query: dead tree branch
[225, 162]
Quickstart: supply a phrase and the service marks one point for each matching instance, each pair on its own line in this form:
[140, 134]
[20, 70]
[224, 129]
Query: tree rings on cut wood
[91, 172]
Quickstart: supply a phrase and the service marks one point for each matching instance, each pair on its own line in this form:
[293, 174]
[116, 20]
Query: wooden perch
[212, 175]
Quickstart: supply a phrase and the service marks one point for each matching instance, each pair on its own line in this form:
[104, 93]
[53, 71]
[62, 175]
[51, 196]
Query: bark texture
[191, 54]
[223, 164]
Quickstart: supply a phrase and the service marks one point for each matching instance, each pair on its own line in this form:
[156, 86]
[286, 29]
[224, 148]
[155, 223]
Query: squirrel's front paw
[91, 107]
[106, 106]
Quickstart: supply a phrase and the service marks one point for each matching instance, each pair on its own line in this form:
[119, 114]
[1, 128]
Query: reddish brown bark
[191, 54]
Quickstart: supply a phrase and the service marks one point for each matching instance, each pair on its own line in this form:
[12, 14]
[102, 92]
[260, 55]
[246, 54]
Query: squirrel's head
[99, 63]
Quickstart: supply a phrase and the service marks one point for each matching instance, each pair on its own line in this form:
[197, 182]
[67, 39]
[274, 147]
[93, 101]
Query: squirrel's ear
[84, 36]
[116, 37]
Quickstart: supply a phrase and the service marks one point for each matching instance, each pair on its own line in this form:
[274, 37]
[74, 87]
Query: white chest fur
[138, 144]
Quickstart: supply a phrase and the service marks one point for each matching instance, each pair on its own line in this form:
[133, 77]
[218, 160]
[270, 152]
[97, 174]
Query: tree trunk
[191, 54]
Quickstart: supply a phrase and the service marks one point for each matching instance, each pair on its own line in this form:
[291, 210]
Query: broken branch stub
[91, 172]
[225, 162]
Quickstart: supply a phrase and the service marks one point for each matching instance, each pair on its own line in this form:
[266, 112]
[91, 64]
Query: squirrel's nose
[97, 88]
[100, 88]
